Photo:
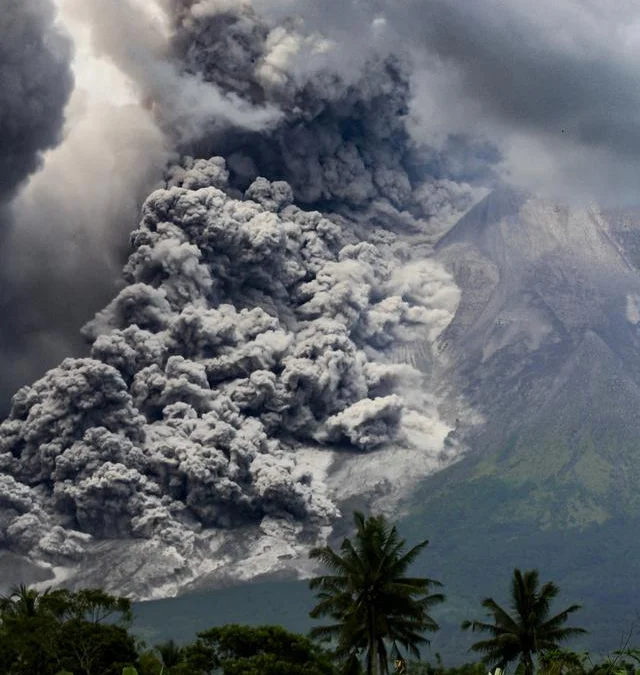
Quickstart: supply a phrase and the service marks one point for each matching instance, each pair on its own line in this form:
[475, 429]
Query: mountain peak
[503, 204]
[517, 231]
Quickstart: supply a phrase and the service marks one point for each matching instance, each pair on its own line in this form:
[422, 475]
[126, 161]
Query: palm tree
[23, 601]
[372, 602]
[528, 630]
[170, 653]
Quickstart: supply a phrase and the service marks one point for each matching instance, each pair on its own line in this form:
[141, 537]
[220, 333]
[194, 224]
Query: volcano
[545, 347]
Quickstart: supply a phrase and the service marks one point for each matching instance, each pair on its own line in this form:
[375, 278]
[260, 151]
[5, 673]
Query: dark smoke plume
[249, 334]
[35, 84]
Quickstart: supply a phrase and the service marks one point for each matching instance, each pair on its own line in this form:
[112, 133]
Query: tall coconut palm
[529, 629]
[171, 655]
[23, 601]
[373, 604]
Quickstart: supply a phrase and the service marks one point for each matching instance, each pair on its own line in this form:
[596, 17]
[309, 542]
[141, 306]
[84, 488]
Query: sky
[543, 95]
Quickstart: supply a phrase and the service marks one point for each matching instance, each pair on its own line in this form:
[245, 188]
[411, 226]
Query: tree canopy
[529, 629]
[253, 650]
[58, 630]
[375, 607]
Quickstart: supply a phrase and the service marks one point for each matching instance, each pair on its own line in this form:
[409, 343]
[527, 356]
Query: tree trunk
[528, 663]
[372, 656]
[383, 659]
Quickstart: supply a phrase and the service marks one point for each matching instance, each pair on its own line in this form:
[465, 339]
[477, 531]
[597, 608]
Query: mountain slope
[545, 347]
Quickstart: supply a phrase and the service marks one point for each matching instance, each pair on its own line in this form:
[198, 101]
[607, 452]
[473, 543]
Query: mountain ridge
[545, 349]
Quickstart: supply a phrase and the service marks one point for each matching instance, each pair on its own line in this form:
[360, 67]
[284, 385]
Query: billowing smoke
[246, 328]
[343, 142]
[275, 99]
[278, 299]
[36, 83]
[73, 218]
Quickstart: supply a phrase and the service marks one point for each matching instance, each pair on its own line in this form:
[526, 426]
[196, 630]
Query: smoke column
[36, 83]
[278, 309]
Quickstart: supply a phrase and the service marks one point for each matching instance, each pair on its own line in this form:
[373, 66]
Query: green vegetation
[378, 614]
[59, 631]
[245, 650]
[369, 597]
[527, 632]
[483, 522]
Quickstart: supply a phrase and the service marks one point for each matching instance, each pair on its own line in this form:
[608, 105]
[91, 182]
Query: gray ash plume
[342, 143]
[249, 333]
[247, 329]
[36, 83]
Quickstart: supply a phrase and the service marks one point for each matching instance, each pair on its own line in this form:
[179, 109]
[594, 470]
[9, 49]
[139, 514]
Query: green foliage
[249, 650]
[529, 630]
[562, 662]
[150, 664]
[170, 654]
[427, 668]
[56, 631]
[375, 607]
[95, 647]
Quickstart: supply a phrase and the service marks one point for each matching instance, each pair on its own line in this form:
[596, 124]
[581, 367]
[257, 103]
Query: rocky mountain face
[545, 346]
[545, 343]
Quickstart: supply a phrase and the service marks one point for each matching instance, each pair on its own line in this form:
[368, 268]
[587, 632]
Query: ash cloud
[36, 83]
[276, 98]
[247, 328]
[278, 295]
[276, 299]
[343, 143]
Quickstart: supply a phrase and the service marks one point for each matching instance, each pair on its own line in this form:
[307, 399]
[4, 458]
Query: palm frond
[560, 618]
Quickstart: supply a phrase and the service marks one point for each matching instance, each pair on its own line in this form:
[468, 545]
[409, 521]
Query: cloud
[246, 329]
[554, 86]
[36, 83]
[36, 76]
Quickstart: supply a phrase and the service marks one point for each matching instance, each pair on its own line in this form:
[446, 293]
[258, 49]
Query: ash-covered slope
[546, 346]
[535, 278]
[545, 341]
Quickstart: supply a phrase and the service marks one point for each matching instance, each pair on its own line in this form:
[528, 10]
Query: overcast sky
[554, 84]
[547, 93]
